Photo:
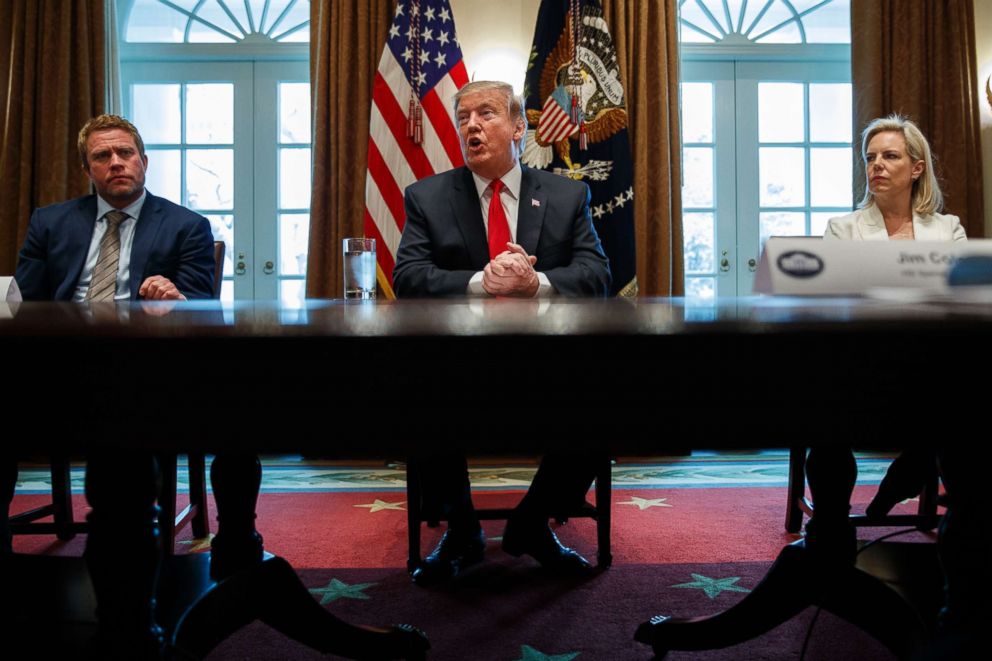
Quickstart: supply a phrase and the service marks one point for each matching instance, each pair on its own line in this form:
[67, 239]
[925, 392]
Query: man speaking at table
[497, 229]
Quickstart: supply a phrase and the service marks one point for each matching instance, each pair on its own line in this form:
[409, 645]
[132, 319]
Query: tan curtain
[646, 38]
[917, 58]
[51, 82]
[346, 41]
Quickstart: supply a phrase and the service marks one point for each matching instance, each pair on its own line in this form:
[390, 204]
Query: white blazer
[867, 225]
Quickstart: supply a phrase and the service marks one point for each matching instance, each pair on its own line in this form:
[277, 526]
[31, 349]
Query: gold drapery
[346, 40]
[917, 58]
[646, 39]
[51, 81]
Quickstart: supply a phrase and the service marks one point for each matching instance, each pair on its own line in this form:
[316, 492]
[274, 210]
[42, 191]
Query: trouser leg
[560, 484]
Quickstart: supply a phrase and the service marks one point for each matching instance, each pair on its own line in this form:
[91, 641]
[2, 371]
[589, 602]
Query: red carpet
[506, 608]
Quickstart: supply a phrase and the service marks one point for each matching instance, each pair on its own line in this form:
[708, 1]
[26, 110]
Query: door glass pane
[780, 112]
[782, 176]
[700, 288]
[294, 178]
[156, 113]
[698, 232]
[210, 113]
[294, 237]
[294, 113]
[781, 224]
[697, 112]
[222, 226]
[818, 221]
[210, 178]
[164, 174]
[830, 112]
[697, 187]
[292, 293]
[830, 177]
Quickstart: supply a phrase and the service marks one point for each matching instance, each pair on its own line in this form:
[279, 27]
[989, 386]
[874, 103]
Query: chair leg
[928, 497]
[604, 504]
[167, 501]
[413, 513]
[796, 489]
[198, 494]
[62, 498]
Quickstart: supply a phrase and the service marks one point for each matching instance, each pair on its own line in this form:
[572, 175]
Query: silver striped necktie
[103, 283]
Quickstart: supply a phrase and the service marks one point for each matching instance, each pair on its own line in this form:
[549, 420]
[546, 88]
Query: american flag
[421, 64]
[555, 122]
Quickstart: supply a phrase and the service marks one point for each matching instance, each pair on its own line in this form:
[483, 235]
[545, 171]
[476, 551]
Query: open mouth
[474, 143]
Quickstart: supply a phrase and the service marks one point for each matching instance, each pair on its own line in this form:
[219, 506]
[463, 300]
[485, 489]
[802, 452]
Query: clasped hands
[511, 273]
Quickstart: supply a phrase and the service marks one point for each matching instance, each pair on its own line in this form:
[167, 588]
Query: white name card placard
[10, 296]
[9, 293]
[810, 265]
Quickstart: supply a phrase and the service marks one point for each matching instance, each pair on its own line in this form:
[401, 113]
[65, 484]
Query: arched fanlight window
[217, 21]
[765, 21]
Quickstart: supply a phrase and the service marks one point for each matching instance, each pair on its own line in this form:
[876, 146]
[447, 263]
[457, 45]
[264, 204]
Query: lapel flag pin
[535, 203]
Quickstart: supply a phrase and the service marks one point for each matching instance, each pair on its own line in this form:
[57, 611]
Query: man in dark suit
[121, 244]
[164, 251]
[495, 228]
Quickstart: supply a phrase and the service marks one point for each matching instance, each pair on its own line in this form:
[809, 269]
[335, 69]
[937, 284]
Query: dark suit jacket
[444, 238]
[169, 240]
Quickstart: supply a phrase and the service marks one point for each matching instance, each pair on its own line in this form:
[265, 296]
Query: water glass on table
[359, 268]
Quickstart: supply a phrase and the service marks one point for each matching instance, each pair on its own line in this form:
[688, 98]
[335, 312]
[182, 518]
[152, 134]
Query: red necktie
[499, 229]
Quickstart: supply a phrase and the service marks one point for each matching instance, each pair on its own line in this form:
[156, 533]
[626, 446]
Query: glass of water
[359, 268]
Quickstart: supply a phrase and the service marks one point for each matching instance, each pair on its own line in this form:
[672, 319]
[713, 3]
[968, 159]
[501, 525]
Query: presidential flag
[412, 130]
[577, 122]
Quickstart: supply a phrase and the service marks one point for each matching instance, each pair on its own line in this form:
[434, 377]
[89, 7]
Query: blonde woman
[902, 201]
[902, 197]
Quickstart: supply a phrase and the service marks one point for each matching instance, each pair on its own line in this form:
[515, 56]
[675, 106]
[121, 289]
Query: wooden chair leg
[167, 502]
[197, 463]
[604, 504]
[62, 498]
[414, 499]
[796, 489]
[928, 499]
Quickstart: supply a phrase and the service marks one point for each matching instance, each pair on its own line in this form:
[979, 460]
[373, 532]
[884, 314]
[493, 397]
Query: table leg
[816, 571]
[123, 541]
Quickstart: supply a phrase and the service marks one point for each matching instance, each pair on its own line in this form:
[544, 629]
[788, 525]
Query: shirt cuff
[544, 287]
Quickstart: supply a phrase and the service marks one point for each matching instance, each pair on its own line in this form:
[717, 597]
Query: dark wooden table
[379, 378]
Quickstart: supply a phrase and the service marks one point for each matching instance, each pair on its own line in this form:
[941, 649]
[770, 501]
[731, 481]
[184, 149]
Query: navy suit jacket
[444, 239]
[169, 240]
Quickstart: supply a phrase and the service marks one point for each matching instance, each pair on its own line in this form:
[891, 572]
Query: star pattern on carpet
[528, 653]
[713, 586]
[644, 503]
[198, 544]
[380, 505]
[340, 590]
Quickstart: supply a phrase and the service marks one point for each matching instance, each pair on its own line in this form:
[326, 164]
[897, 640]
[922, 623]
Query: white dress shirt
[510, 199]
[133, 211]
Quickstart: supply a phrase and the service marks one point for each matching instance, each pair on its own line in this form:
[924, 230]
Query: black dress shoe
[647, 632]
[401, 641]
[453, 553]
[541, 543]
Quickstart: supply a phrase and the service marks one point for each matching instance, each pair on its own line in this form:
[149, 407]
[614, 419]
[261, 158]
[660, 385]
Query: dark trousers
[560, 485]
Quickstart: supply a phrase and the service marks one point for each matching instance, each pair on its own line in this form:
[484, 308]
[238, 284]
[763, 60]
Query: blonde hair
[106, 123]
[513, 102]
[926, 197]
